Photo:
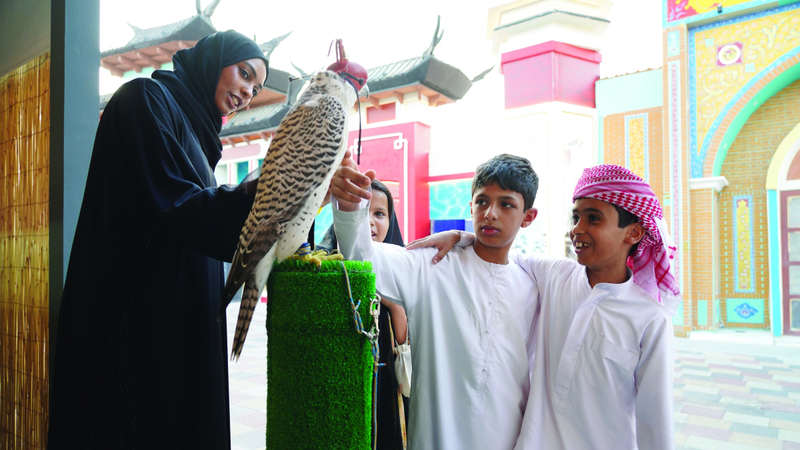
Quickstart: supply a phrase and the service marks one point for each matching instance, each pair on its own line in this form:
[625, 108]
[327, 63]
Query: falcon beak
[364, 92]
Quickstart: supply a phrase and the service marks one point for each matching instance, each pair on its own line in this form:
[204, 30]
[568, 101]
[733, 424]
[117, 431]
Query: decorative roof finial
[436, 38]
[209, 9]
[480, 76]
[269, 46]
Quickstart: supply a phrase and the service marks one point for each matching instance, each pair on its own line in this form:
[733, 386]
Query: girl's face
[379, 215]
[238, 84]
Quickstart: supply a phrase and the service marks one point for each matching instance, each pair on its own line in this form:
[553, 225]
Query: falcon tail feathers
[250, 298]
[227, 295]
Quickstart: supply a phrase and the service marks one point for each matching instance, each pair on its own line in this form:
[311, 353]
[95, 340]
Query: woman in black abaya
[141, 357]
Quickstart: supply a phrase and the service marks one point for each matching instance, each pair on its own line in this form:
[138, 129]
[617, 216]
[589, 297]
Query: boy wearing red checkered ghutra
[602, 375]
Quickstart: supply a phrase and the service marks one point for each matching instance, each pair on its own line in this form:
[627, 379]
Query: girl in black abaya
[141, 355]
[392, 407]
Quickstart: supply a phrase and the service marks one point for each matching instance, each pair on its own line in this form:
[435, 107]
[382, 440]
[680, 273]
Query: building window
[221, 173]
[242, 169]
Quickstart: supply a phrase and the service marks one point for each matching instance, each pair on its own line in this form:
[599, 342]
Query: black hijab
[393, 235]
[193, 82]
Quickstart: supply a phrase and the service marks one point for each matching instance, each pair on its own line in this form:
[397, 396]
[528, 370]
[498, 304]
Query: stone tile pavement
[248, 382]
[729, 394]
[732, 395]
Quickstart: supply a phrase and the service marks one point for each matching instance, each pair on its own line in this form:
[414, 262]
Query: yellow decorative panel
[744, 258]
[728, 57]
[636, 145]
[24, 254]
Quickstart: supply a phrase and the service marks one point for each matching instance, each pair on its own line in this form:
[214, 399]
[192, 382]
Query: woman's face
[379, 216]
[238, 84]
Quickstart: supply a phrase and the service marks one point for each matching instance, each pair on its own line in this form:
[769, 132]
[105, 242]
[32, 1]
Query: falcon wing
[301, 156]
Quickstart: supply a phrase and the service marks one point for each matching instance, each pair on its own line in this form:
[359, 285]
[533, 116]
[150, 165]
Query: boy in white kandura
[471, 315]
[603, 369]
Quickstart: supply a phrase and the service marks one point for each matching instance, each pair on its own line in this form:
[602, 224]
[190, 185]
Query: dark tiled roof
[256, 119]
[191, 29]
[425, 70]
[277, 80]
[391, 70]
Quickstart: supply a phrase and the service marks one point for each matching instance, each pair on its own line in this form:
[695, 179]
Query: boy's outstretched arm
[349, 185]
[654, 377]
[397, 272]
[348, 188]
[444, 241]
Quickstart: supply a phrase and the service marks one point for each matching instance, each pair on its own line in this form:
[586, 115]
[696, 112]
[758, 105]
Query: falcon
[305, 151]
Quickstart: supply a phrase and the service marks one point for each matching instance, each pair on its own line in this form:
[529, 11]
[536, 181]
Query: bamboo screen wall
[24, 253]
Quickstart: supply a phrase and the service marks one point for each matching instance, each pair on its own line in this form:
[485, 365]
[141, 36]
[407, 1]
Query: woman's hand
[444, 241]
[349, 185]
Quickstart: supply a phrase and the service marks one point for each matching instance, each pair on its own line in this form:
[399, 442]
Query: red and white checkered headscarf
[651, 265]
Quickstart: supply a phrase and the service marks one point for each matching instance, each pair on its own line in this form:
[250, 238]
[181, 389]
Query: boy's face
[497, 216]
[600, 244]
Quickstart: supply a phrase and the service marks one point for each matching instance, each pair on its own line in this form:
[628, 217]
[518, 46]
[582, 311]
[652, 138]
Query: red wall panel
[552, 71]
[399, 153]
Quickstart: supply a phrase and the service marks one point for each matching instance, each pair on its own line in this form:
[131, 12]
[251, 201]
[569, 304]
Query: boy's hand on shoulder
[349, 185]
[444, 241]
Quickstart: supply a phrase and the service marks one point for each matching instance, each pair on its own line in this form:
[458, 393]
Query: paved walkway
[248, 382]
[728, 395]
[733, 396]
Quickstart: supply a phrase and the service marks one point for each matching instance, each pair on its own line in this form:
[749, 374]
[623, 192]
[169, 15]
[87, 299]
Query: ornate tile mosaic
[675, 162]
[743, 255]
[636, 145]
[742, 51]
[676, 12]
[729, 54]
[744, 310]
[673, 43]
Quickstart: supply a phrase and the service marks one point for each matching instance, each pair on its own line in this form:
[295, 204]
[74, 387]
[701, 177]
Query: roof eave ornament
[437, 36]
[209, 9]
[269, 46]
[480, 76]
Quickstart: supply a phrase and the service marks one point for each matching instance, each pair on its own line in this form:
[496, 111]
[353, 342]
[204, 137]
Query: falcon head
[332, 83]
[354, 72]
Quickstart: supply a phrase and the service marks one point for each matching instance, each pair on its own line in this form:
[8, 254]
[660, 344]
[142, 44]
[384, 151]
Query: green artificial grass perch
[320, 369]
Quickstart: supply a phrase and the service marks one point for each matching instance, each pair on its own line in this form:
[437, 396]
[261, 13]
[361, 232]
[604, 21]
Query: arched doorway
[784, 178]
[790, 259]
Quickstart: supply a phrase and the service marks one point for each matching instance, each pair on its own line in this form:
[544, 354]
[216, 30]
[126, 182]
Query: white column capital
[716, 183]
